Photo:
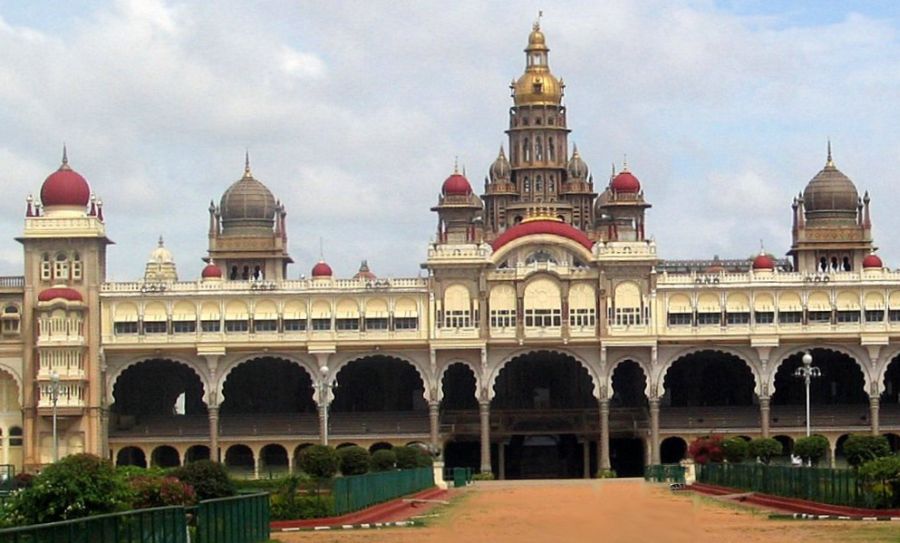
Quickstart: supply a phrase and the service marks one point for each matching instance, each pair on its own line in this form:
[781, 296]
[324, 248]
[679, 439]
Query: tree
[319, 461]
[706, 449]
[208, 479]
[383, 460]
[406, 457]
[735, 449]
[765, 449]
[882, 477]
[354, 460]
[811, 449]
[860, 448]
[154, 491]
[77, 486]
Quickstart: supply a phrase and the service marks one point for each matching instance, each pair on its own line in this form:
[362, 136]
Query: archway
[239, 459]
[673, 450]
[165, 456]
[380, 446]
[787, 447]
[459, 410]
[890, 398]
[840, 458]
[462, 453]
[274, 459]
[894, 442]
[709, 379]
[195, 453]
[546, 403]
[629, 385]
[628, 408]
[131, 456]
[839, 393]
[157, 396]
[298, 450]
[345, 445]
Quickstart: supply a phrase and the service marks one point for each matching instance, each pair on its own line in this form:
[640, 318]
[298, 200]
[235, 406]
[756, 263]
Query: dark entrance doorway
[544, 457]
[626, 455]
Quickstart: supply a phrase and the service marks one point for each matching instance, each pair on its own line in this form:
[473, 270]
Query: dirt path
[610, 511]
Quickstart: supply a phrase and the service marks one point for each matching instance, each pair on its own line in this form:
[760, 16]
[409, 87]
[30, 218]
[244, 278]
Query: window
[321, 324]
[156, 327]
[237, 326]
[457, 319]
[503, 318]
[406, 323]
[76, 267]
[874, 315]
[11, 320]
[790, 317]
[543, 318]
[266, 325]
[15, 437]
[184, 327]
[706, 319]
[211, 326]
[628, 316]
[46, 268]
[346, 324]
[294, 325]
[61, 267]
[377, 323]
[819, 317]
[538, 184]
[681, 319]
[583, 317]
[737, 318]
[124, 328]
[764, 317]
[848, 316]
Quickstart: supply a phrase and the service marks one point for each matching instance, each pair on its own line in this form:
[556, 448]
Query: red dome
[872, 261]
[321, 269]
[763, 262]
[456, 185]
[625, 182]
[211, 271]
[543, 226]
[65, 187]
[65, 293]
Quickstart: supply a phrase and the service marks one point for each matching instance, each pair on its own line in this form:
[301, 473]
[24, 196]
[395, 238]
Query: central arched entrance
[546, 410]
[628, 415]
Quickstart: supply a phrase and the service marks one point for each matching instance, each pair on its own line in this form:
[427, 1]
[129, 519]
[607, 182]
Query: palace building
[548, 339]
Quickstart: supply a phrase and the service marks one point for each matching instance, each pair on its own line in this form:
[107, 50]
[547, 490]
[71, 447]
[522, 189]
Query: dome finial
[65, 158]
[247, 163]
[456, 164]
[829, 161]
[160, 243]
[625, 163]
[537, 22]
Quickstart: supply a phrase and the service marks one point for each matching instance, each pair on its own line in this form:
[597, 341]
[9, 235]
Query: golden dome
[537, 86]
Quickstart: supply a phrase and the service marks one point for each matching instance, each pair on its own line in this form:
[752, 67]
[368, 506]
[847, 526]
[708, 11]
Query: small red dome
[872, 261]
[211, 271]
[65, 293]
[625, 182]
[321, 269]
[763, 262]
[456, 185]
[65, 187]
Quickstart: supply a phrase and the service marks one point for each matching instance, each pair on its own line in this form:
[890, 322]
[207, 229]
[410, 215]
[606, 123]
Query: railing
[157, 525]
[832, 486]
[665, 473]
[12, 281]
[361, 491]
[240, 519]
[404, 284]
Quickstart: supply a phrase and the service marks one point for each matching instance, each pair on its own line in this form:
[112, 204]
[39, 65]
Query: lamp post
[807, 371]
[54, 399]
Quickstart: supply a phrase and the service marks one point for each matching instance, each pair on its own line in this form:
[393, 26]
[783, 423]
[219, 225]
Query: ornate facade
[548, 338]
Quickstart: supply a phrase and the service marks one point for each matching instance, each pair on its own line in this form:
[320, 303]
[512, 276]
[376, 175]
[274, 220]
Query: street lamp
[54, 399]
[324, 387]
[807, 371]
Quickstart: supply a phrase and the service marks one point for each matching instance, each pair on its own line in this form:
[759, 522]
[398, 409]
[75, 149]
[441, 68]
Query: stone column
[434, 421]
[323, 424]
[213, 413]
[586, 457]
[764, 416]
[257, 460]
[484, 410]
[874, 404]
[654, 430]
[603, 444]
[501, 460]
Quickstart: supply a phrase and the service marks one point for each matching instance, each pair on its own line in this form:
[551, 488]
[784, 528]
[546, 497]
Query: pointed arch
[194, 365]
[339, 362]
[306, 363]
[747, 356]
[488, 392]
[856, 353]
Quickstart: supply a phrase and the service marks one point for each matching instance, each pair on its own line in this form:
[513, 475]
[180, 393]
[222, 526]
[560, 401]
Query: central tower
[537, 172]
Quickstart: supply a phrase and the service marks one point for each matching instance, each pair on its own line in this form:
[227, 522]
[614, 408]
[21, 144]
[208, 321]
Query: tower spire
[247, 163]
[829, 161]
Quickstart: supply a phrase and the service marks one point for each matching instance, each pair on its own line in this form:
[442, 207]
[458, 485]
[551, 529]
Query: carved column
[484, 410]
[874, 405]
[654, 431]
[764, 416]
[213, 413]
[433, 420]
[603, 444]
[323, 424]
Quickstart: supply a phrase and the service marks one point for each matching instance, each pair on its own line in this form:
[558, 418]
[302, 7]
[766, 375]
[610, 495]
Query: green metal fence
[239, 519]
[665, 473]
[462, 477]
[157, 525]
[360, 491]
[833, 486]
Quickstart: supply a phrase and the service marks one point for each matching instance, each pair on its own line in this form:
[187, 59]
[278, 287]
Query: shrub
[765, 449]
[208, 479]
[77, 486]
[383, 460]
[301, 507]
[150, 491]
[882, 477]
[735, 449]
[354, 460]
[860, 448]
[424, 459]
[706, 449]
[319, 461]
[811, 449]
[483, 476]
[406, 457]
[606, 474]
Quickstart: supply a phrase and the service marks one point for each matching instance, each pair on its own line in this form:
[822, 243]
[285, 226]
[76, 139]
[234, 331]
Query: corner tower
[536, 173]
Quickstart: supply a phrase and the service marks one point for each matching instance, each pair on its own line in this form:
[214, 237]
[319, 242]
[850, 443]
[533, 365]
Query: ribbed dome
[501, 169]
[161, 255]
[576, 168]
[248, 207]
[831, 195]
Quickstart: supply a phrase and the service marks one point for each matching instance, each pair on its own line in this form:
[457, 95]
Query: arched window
[61, 266]
[76, 267]
[538, 150]
[551, 150]
[10, 319]
[823, 264]
[538, 184]
[847, 265]
[15, 437]
[526, 150]
[540, 256]
[526, 185]
[46, 268]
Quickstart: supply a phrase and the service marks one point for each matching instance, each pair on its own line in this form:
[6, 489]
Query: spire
[160, 242]
[537, 22]
[65, 159]
[502, 153]
[456, 164]
[575, 150]
[247, 163]
[625, 163]
[613, 174]
[829, 161]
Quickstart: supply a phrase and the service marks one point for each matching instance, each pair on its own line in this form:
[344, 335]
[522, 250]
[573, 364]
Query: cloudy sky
[353, 113]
